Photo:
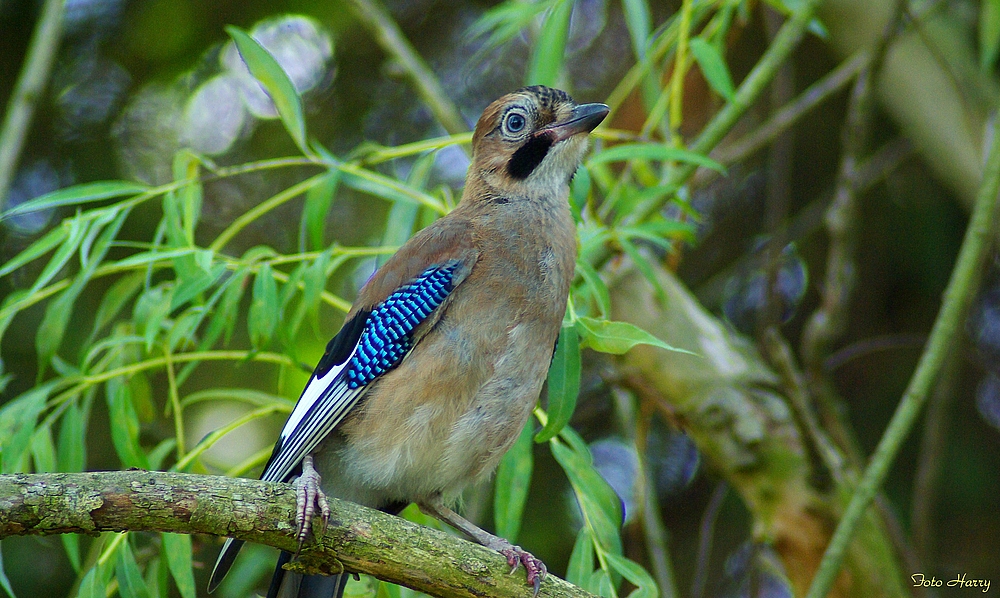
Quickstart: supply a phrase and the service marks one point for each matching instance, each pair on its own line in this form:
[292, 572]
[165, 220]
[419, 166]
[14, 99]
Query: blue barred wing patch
[386, 337]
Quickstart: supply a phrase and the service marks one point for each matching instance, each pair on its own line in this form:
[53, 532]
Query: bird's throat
[527, 157]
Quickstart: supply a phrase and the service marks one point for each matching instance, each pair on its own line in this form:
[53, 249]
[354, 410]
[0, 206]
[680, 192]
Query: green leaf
[185, 168]
[124, 424]
[50, 332]
[17, 424]
[600, 505]
[600, 584]
[76, 230]
[563, 383]
[37, 249]
[224, 316]
[276, 82]
[653, 151]
[581, 560]
[71, 451]
[644, 266]
[148, 258]
[71, 544]
[606, 336]
[161, 451]
[43, 449]
[115, 298]
[263, 314]
[94, 584]
[182, 334]
[130, 581]
[178, 550]
[645, 587]
[77, 195]
[713, 66]
[505, 20]
[510, 490]
[546, 61]
[598, 290]
[151, 308]
[579, 192]
[989, 33]
[4, 582]
[194, 284]
[379, 185]
[319, 198]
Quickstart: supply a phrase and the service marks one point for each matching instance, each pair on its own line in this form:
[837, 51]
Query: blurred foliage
[178, 246]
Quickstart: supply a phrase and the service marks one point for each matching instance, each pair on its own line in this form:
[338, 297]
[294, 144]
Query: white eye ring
[515, 122]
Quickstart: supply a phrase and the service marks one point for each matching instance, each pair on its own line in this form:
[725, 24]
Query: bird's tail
[285, 584]
[226, 557]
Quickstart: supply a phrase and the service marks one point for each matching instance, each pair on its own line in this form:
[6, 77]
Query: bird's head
[531, 141]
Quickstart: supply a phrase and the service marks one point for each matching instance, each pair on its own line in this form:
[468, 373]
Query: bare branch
[358, 539]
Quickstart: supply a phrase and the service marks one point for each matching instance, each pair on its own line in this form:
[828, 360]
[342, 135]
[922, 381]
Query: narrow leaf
[607, 336]
[151, 308]
[43, 449]
[275, 81]
[178, 550]
[17, 424]
[4, 582]
[713, 66]
[600, 505]
[563, 383]
[70, 454]
[92, 585]
[76, 230]
[654, 151]
[130, 581]
[989, 33]
[37, 249]
[76, 195]
[263, 314]
[319, 198]
[120, 293]
[581, 560]
[546, 61]
[598, 290]
[636, 575]
[124, 424]
[379, 185]
[511, 486]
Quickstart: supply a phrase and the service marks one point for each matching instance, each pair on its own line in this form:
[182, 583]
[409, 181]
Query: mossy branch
[357, 539]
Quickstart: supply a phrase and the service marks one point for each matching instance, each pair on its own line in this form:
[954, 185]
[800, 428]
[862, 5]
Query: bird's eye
[514, 122]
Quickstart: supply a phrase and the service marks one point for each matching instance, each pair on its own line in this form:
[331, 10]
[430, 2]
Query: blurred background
[132, 82]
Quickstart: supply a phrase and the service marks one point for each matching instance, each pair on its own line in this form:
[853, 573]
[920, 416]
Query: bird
[443, 354]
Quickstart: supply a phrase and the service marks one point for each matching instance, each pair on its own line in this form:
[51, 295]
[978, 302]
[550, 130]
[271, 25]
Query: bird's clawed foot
[308, 497]
[533, 565]
[515, 555]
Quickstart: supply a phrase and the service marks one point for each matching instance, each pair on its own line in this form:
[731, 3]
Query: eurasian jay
[443, 355]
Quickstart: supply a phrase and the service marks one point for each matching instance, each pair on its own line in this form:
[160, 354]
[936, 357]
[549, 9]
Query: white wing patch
[322, 405]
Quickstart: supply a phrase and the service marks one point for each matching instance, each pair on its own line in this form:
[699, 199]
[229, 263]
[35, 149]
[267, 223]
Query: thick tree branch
[357, 539]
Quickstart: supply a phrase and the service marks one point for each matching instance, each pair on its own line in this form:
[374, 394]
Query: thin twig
[794, 386]
[706, 532]
[947, 327]
[779, 181]
[828, 322]
[753, 85]
[391, 38]
[813, 96]
[28, 91]
[930, 460]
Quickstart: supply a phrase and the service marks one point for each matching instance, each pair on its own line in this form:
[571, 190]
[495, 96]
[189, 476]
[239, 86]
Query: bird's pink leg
[308, 497]
[515, 554]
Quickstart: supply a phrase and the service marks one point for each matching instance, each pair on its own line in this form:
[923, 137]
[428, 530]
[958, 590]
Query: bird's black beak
[583, 119]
